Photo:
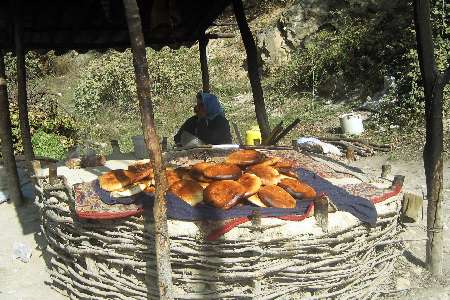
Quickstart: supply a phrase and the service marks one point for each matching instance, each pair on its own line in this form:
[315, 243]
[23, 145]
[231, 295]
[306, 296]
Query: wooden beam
[9, 160]
[202, 43]
[253, 68]
[433, 83]
[143, 85]
[22, 83]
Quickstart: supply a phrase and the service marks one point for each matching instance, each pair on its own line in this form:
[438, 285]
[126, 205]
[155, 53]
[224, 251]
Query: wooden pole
[252, 66]
[22, 83]
[202, 43]
[433, 82]
[143, 85]
[9, 160]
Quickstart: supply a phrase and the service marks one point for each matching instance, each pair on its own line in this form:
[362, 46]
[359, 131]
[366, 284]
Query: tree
[434, 82]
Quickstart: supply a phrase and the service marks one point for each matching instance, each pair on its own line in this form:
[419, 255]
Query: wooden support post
[143, 85]
[321, 212]
[252, 66]
[433, 83]
[9, 160]
[238, 133]
[202, 43]
[22, 83]
[385, 171]
[52, 173]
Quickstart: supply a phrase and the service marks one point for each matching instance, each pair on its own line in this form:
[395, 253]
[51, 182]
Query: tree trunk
[202, 43]
[433, 83]
[22, 83]
[252, 66]
[146, 109]
[9, 160]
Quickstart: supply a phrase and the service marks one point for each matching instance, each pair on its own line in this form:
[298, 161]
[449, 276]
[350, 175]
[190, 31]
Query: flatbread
[116, 179]
[275, 196]
[297, 189]
[188, 190]
[197, 171]
[268, 175]
[133, 189]
[223, 172]
[251, 183]
[254, 199]
[224, 193]
[244, 157]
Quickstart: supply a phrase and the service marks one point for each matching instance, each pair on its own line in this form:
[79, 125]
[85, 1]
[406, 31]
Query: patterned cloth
[93, 202]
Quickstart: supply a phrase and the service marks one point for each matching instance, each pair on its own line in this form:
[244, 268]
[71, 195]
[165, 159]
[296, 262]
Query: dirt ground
[20, 280]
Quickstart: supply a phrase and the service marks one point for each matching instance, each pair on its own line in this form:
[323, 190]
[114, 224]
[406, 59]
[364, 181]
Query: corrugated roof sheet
[82, 25]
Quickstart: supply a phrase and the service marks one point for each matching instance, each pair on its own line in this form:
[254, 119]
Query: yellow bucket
[253, 136]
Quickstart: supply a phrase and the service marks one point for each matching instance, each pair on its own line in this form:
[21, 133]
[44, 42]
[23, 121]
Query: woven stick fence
[115, 259]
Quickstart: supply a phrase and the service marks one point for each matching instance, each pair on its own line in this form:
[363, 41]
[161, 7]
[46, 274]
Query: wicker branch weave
[115, 259]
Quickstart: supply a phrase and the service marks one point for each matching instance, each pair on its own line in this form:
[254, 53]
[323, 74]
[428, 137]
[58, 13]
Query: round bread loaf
[268, 175]
[270, 161]
[142, 169]
[297, 189]
[197, 171]
[288, 172]
[223, 172]
[284, 164]
[274, 196]
[133, 189]
[116, 179]
[140, 166]
[174, 175]
[254, 199]
[188, 190]
[251, 183]
[224, 193]
[244, 157]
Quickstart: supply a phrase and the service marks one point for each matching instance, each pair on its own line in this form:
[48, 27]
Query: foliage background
[89, 99]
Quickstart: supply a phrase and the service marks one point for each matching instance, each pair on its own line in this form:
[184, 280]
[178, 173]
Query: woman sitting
[209, 124]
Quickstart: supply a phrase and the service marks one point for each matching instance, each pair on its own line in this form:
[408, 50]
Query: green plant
[49, 144]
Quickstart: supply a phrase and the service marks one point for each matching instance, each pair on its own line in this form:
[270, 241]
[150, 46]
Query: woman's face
[200, 109]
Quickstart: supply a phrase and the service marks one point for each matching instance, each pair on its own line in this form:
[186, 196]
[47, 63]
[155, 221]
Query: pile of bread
[244, 175]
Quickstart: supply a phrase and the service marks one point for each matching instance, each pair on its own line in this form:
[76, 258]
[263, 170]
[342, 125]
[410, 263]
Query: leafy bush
[37, 66]
[43, 116]
[109, 81]
[49, 145]
[106, 101]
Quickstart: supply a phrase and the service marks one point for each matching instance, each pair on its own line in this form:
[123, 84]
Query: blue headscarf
[212, 105]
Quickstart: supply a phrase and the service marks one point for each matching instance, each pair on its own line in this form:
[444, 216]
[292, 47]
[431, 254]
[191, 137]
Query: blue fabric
[360, 207]
[212, 105]
[177, 209]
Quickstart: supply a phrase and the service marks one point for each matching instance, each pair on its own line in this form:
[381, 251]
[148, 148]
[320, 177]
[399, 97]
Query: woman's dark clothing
[215, 131]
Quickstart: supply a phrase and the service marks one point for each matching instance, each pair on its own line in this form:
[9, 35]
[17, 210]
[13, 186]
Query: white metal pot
[352, 124]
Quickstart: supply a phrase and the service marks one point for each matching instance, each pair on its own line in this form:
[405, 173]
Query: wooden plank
[253, 68]
[9, 160]
[273, 133]
[143, 85]
[286, 131]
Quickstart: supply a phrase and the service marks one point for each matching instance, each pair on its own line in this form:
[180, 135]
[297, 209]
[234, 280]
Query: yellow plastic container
[253, 136]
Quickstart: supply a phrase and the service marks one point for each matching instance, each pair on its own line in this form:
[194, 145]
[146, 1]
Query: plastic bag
[21, 252]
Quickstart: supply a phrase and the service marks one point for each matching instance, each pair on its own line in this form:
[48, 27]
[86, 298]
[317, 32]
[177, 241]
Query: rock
[303, 19]
[272, 47]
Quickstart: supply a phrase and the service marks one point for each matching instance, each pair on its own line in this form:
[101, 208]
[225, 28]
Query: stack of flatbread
[244, 176]
[124, 183]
